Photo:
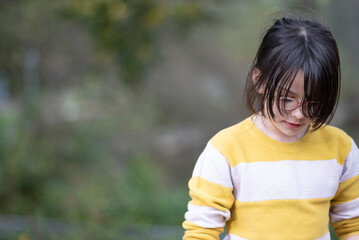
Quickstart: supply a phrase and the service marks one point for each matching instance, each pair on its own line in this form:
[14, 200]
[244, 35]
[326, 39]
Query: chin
[296, 133]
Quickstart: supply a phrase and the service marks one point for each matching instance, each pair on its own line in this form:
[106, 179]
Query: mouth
[293, 125]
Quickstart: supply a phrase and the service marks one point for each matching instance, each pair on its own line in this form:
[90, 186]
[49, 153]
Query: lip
[293, 125]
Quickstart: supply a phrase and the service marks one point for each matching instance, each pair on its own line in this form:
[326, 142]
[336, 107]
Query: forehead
[296, 86]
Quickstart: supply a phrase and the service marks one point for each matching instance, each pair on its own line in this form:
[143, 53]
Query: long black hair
[288, 46]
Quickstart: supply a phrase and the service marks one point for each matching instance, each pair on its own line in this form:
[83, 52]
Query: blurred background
[105, 106]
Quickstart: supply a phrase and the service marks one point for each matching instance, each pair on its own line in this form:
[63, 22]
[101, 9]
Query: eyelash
[286, 99]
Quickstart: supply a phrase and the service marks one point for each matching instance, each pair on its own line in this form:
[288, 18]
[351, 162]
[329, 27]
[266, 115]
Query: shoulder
[233, 133]
[332, 133]
[335, 139]
[230, 141]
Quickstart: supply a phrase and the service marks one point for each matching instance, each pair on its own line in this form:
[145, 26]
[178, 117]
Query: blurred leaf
[129, 31]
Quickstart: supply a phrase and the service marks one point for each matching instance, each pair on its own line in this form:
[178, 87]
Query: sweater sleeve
[211, 193]
[345, 204]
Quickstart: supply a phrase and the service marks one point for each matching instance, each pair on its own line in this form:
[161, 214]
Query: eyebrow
[286, 90]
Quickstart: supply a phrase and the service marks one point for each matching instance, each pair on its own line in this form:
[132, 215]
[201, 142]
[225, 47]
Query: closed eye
[286, 100]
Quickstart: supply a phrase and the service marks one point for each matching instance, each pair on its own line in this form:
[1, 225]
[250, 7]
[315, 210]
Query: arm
[345, 204]
[211, 192]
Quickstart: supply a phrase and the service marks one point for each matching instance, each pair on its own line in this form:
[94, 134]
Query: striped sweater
[259, 188]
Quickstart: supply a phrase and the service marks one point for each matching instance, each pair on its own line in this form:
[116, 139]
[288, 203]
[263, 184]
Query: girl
[282, 173]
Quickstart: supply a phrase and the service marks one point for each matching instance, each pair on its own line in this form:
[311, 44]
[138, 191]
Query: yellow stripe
[347, 191]
[238, 144]
[300, 219]
[251, 153]
[205, 193]
[346, 228]
[194, 231]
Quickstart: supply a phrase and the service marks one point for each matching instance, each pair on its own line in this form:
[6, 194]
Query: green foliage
[22, 30]
[126, 32]
[24, 165]
[67, 170]
[10, 50]
[332, 233]
[129, 30]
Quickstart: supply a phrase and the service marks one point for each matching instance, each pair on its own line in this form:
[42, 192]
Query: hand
[354, 237]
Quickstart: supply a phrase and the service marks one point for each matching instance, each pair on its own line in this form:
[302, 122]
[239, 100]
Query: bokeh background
[105, 106]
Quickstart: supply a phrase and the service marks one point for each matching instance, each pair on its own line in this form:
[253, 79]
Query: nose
[297, 113]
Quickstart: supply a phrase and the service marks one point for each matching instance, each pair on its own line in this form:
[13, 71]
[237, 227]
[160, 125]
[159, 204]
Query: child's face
[291, 125]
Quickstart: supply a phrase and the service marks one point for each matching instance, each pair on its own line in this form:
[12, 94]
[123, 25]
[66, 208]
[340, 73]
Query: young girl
[282, 173]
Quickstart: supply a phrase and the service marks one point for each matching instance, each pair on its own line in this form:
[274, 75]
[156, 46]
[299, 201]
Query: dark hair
[290, 45]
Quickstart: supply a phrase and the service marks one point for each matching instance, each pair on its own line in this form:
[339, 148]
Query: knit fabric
[259, 188]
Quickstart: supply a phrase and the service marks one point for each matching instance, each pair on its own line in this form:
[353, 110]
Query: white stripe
[345, 211]
[351, 165]
[207, 217]
[287, 179]
[214, 167]
[235, 237]
[325, 237]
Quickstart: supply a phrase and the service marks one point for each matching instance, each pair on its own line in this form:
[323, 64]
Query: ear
[256, 73]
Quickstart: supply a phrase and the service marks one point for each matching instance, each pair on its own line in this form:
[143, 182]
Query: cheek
[309, 121]
[277, 113]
